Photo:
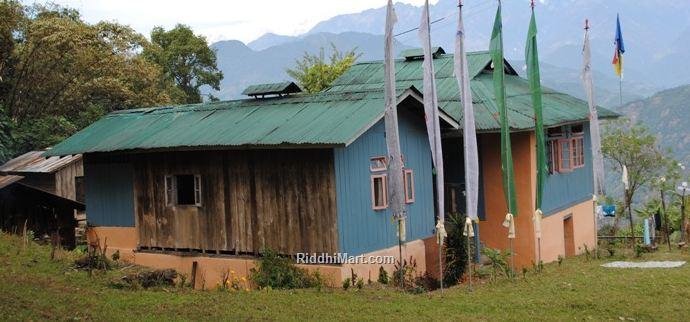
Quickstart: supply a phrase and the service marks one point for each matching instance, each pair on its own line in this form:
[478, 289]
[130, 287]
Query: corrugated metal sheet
[272, 88]
[318, 119]
[8, 180]
[35, 162]
[558, 107]
[333, 117]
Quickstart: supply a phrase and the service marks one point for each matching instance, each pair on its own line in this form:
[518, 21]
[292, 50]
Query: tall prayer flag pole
[594, 132]
[395, 164]
[469, 133]
[532, 59]
[496, 51]
[433, 128]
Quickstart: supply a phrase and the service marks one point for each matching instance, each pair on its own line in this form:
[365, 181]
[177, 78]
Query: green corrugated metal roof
[272, 88]
[318, 119]
[336, 116]
[559, 108]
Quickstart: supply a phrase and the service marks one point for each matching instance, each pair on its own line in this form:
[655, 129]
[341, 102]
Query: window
[565, 147]
[79, 194]
[408, 181]
[379, 191]
[377, 164]
[578, 156]
[565, 160]
[183, 189]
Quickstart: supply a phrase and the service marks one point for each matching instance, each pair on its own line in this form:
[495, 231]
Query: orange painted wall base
[212, 268]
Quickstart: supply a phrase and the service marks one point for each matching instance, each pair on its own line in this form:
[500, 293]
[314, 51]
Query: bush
[346, 283]
[281, 273]
[456, 250]
[383, 276]
[155, 278]
[499, 261]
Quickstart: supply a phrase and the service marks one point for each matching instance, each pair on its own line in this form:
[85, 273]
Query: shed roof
[559, 108]
[329, 119]
[35, 162]
[8, 180]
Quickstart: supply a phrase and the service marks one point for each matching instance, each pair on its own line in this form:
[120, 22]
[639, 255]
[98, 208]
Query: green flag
[532, 59]
[496, 49]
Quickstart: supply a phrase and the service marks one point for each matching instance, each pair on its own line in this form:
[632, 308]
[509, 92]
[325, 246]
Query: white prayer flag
[595, 134]
[469, 131]
[509, 223]
[626, 183]
[431, 113]
[395, 164]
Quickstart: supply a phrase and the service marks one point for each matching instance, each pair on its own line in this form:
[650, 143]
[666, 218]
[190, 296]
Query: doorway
[569, 236]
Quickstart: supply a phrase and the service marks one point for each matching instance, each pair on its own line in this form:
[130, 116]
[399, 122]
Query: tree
[187, 61]
[632, 147]
[59, 73]
[314, 74]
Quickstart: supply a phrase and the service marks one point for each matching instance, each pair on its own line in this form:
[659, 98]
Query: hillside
[666, 114]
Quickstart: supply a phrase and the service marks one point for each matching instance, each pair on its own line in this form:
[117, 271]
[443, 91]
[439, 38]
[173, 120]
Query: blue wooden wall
[563, 190]
[360, 228]
[109, 194]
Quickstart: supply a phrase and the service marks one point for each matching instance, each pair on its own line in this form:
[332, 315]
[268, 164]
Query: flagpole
[509, 174]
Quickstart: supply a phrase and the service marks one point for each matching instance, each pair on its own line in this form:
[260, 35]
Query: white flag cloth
[469, 131]
[469, 228]
[395, 164]
[538, 215]
[595, 134]
[509, 223]
[626, 183]
[431, 110]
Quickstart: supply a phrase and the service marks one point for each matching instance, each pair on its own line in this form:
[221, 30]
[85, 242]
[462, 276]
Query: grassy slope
[33, 287]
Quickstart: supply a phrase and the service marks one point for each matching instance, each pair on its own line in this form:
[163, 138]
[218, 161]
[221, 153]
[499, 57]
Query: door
[569, 236]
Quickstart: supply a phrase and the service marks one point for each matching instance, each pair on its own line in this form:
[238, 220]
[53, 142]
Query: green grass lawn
[32, 287]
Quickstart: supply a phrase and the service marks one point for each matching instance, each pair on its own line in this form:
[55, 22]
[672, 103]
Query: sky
[219, 20]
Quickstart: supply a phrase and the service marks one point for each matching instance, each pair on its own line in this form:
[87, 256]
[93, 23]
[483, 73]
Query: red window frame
[378, 163]
[384, 191]
[578, 151]
[408, 182]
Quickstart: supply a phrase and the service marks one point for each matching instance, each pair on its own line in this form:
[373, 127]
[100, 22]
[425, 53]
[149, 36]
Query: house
[567, 203]
[211, 185]
[45, 194]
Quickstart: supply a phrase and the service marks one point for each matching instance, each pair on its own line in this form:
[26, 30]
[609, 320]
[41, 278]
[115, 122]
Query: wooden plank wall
[251, 199]
[64, 179]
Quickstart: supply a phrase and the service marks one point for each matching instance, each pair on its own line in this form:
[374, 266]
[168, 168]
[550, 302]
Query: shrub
[456, 250]
[360, 284]
[346, 283]
[279, 272]
[498, 260]
[155, 278]
[383, 276]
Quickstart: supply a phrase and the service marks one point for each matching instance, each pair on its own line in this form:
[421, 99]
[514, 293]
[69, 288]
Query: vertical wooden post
[195, 265]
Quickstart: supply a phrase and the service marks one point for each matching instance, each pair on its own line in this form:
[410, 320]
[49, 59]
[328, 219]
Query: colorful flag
[595, 133]
[431, 113]
[532, 59]
[395, 164]
[469, 130]
[496, 51]
[619, 49]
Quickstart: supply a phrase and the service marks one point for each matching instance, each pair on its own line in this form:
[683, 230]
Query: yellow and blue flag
[619, 50]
